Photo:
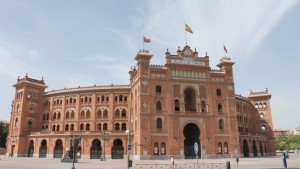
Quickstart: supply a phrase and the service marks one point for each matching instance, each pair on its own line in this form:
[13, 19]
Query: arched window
[220, 109]
[85, 99]
[31, 108]
[177, 105]
[105, 126]
[156, 148]
[264, 105]
[221, 124]
[47, 116]
[98, 126]
[261, 116]
[219, 148]
[158, 89]
[105, 113]
[72, 114]
[120, 98]
[18, 107]
[256, 105]
[82, 114]
[102, 98]
[16, 122]
[263, 128]
[107, 99]
[203, 106]
[99, 113]
[125, 98]
[190, 99]
[90, 99]
[54, 115]
[87, 127]
[81, 127]
[158, 106]
[116, 98]
[218, 92]
[88, 114]
[117, 126]
[67, 114]
[123, 113]
[57, 127]
[123, 126]
[44, 116]
[29, 124]
[158, 123]
[58, 115]
[71, 100]
[53, 128]
[67, 127]
[117, 113]
[163, 148]
[72, 127]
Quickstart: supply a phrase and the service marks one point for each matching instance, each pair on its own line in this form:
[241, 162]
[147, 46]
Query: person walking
[172, 161]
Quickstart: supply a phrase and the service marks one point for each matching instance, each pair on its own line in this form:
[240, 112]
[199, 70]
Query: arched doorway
[191, 134]
[58, 149]
[43, 149]
[96, 149]
[31, 149]
[190, 99]
[117, 149]
[245, 148]
[254, 148]
[261, 149]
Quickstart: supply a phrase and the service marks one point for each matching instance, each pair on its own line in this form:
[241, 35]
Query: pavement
[50, 163]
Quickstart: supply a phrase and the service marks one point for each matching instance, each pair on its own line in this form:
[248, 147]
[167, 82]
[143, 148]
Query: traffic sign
[129, 147]
[196, 148]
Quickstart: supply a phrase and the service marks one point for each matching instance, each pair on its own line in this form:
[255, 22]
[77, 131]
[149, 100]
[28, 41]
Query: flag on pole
[146, 40]
[188, 29]
[225, 49]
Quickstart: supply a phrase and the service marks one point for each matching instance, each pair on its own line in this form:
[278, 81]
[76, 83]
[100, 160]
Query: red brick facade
[168, 109]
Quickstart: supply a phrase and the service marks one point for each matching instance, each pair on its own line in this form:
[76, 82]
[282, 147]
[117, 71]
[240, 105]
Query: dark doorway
[191, 133]
[117, 149]
[96, 149]
[254, 148]
[58, 149]
[245, 148]
[43, 149]
[30, 149]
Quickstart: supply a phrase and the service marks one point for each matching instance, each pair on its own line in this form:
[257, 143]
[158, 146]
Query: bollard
[284, 160]
[227, 164]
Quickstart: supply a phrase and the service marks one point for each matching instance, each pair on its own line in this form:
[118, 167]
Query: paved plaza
[50, 163]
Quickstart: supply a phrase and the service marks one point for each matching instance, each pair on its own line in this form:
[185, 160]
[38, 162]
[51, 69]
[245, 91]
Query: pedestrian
[172, 161]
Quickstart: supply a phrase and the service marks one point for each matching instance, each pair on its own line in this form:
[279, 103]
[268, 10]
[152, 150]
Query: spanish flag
[188, 29]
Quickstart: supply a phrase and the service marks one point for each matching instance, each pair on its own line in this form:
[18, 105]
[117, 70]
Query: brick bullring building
[167, 108]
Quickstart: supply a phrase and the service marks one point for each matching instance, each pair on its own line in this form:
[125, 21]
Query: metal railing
[183, 166]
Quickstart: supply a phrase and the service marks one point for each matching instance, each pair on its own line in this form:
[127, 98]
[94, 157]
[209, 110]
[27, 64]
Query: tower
[25, 114]
[261, 101]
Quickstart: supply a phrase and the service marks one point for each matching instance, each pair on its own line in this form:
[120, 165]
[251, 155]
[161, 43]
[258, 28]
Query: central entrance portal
[191, 134]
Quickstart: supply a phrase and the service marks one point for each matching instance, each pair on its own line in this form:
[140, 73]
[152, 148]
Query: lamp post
[74, 137]
[104, 136]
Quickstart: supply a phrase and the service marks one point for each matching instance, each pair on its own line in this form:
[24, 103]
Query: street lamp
[104, 136]
[74, 137]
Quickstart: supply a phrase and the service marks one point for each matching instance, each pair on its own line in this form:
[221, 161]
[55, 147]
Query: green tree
[3, 135]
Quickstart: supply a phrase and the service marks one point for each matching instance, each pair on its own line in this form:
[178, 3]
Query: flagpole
[185, 38]
[143, 42]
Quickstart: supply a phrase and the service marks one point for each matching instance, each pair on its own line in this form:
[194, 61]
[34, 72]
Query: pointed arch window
[29, 124]
[53, 128]
[158, 106]
[82, 114]
[117, 113]
[203, 106]
[159, 123]
[87, 127]
[67, 115]
[105, 126]
[58, 115]
[105, 113]
[123, 126]
[98, 126]
[220, 108]
[117, 126]
[58, 127]
[72, 114]
[72, 127]
[67, 127]
[54, 115]
[88, 114]
[221, 124]
[219, 93]
[81, 127]
[99, 113]
[177, 105]
[123, 113]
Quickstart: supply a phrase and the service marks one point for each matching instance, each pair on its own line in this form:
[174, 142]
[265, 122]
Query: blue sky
[78, 43]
